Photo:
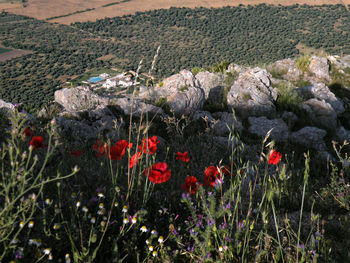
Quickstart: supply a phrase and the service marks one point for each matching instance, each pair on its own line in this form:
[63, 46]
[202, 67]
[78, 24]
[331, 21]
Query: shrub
[288, 99]
[303, 62]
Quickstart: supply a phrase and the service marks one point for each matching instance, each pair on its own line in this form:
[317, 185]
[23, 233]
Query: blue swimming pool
[95, 79]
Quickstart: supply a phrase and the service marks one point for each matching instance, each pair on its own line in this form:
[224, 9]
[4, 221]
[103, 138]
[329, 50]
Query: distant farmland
[70, 11]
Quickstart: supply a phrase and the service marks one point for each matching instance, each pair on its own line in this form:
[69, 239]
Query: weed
[303, 62]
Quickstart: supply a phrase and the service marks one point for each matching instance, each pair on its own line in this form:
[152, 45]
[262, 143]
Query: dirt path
[13, 54]
[42, 9]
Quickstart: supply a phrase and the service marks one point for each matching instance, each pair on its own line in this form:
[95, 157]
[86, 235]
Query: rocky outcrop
[6, 105]
[226, 123]
[261, 125]
[310, 137]
[79, 98]
[319, 67]
[287, 69]
[209, 81]
[252, 95]
[321, 113]
[182, 93]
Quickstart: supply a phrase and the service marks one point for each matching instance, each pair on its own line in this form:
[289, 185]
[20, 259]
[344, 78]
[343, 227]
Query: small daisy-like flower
[100, 205]
[125, 209]
[47, 251]
[14, 241]
[101, 212]
[133, 220]
[56, 226]
[78, 204]
[150, 248]
[220, 248]
[31, 224]
[161, 239]
[103, 223]
[125, 221]
[67, 258]
[116, 204]
[154, 253]
[144, 229]
[21, 224]
[154, 232]
[147, 242]
[93, 220]
[73, 195]
[100, 195]
[85, 209]
[50, 257]
[47, 201]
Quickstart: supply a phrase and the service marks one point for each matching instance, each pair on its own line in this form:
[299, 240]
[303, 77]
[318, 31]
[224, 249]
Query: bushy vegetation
[136, 197]
[189, 38]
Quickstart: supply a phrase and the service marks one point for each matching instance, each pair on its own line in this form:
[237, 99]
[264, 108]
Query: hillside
[188, 37]
[240, 164]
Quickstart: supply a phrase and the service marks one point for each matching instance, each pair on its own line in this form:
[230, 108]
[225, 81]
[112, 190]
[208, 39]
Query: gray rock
[200, 115]
[252, 95]
[182, 93]
[79, 98]
[261, 125]
[310, 137]
[75, 129]
[321, 91]
[223, 126]
[321, 113]
[343, 135]
[4, 104]
[290, 118]
[209, 81]
[287, 69]
[319, 66]
[137, 107]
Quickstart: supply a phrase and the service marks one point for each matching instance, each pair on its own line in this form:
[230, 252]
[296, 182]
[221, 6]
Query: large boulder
[321, 92]
[182, 93]
[226, 121]
[261, 125]
[310, 137]
[79, 98]
[6, 105]
[136, 107]
[321, 113]
[319, 67]
[252, 94]
[287, 69]
[209, 81]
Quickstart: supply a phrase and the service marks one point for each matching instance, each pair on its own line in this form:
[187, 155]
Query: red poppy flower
[183, 157]
[190, 185]
[27, 132]
[101, 148]
[149, 145]
[158, 173]
[118, 150]
[134, 159]
[37, 142]
[76, 153]
[210, 176]
[274, 157]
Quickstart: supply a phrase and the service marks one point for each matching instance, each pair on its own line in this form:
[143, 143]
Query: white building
[109, 84]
